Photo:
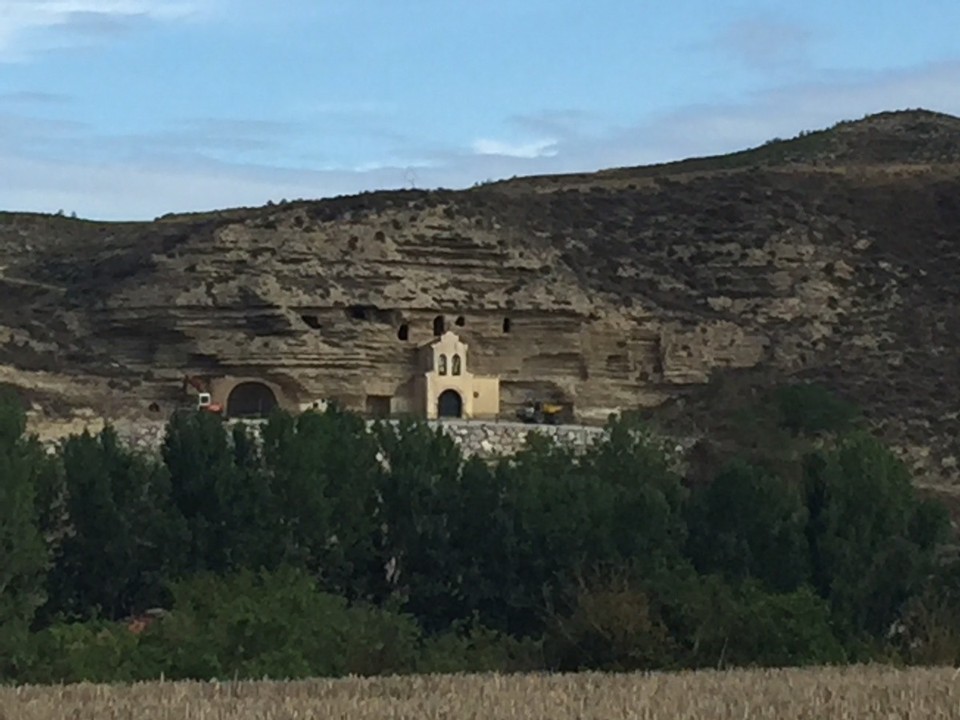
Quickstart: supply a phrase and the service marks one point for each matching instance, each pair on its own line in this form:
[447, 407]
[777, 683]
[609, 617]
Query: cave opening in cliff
[460, 321]
[439, 325]
[378, 406]
[403, 333]
[358, 312]
[450, 404]
[251, 400]
[311, 321]
[507, 325]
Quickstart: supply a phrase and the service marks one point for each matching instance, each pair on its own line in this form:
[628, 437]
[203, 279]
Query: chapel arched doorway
[450, 404]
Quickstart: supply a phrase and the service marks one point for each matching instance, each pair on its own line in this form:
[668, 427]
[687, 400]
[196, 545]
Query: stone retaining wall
[476, 438]
[485, 439]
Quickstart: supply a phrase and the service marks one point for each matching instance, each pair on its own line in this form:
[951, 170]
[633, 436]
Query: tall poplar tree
[23, 553]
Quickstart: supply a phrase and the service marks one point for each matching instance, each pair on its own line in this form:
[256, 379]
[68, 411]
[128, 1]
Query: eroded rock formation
[834, 257]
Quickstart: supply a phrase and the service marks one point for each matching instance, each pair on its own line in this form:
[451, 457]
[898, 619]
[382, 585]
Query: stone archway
[251, 399]
[449, 404]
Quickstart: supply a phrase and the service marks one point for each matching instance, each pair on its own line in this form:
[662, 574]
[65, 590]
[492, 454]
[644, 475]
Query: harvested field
[819, 694]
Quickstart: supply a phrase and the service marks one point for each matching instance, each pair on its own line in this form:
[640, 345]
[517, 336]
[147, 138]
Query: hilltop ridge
[903, 137]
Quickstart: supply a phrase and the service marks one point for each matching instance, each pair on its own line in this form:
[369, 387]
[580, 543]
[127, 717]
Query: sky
[129, 109]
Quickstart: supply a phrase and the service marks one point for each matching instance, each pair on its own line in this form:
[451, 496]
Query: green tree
[198, 459]
[420, 500]
[13, 419]
[639, 496]
[617, 505]
[323, 470]
[125, 537]
[550, 517]
[50, 492]
[221, 486]
[872, 540]
[771, 428]
[481, 544]
[249, 516]
[24, 557]
[748, 626]
[678, 619]
[748, 523]
[811, 409]
[613, 624]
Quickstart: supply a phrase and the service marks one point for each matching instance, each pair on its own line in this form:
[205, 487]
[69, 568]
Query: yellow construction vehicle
[541, 413]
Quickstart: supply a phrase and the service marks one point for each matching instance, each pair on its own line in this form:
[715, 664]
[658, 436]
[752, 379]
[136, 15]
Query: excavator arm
[204, 399]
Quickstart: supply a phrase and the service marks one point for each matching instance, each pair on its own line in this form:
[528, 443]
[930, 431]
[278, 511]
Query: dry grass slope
[820, 694]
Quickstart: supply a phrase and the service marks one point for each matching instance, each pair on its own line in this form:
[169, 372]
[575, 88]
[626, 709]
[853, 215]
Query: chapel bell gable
[447, 387]
[448, 356]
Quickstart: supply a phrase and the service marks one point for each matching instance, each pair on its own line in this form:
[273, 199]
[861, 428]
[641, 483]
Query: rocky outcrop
[833, 257]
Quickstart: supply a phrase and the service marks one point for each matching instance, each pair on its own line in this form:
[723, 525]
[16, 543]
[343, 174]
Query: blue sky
[127, 109]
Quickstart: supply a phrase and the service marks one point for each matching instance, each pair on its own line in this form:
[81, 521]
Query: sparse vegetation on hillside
[902, 137]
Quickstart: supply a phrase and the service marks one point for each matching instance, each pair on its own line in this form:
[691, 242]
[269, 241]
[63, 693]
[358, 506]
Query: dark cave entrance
[251, 400]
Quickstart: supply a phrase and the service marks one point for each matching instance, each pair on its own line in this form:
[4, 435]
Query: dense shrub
[91, 651]
[469, 647]
[276, 625]
[614, 626]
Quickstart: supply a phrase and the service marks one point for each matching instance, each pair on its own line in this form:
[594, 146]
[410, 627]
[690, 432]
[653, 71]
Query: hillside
[834, 256]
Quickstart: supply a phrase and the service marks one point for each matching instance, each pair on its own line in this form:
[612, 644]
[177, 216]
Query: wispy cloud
[765, 42]
[787, 109]
[556, 123]
[194, 165]
[25, 24]
[782, 111]
[532, 149]
[121, 190]
[34, 98]
[29, 133]
[352, 109]
[211, 133]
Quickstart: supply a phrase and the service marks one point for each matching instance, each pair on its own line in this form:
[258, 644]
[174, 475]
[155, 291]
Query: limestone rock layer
[833, 257]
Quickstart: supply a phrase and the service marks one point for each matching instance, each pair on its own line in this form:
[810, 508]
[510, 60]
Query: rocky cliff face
[834, 256]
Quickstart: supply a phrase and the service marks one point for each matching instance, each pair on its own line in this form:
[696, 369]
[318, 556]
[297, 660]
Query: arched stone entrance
[450, 404]
[251, 399]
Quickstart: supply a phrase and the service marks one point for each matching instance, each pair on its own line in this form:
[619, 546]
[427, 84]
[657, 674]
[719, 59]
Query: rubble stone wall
[476, 438]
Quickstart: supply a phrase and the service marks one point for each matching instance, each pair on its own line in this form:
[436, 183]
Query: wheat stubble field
[855, 692]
